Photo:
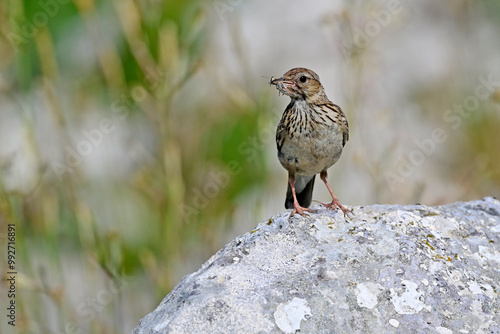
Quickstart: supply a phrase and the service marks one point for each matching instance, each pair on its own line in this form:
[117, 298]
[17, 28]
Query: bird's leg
[296, 206]
[335, 201]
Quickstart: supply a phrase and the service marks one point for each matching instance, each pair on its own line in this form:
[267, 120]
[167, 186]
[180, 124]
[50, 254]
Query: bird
[310, 137]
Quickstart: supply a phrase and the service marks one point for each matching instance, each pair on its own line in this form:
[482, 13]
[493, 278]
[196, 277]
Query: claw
[300, 210]
[335, 204]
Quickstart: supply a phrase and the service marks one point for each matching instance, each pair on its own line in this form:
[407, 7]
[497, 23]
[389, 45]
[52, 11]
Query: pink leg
[296, 206]
[335, 201]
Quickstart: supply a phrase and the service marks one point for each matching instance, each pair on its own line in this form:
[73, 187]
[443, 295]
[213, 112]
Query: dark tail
[304, 189]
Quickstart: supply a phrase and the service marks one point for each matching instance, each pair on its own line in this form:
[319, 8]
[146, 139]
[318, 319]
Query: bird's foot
[300, 210]
[334, 204]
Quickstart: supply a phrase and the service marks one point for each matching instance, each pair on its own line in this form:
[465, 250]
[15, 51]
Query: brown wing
[343, 120]
[345, 134]
[282, 127]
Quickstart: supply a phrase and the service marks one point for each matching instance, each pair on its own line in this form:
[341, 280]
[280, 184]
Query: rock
[386, 269]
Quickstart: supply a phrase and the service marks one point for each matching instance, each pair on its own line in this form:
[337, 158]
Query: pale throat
[303, 108]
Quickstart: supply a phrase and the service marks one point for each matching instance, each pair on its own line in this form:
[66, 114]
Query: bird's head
[300, 83]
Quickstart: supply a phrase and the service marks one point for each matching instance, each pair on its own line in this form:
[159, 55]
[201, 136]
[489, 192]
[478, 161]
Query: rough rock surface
[387, 269]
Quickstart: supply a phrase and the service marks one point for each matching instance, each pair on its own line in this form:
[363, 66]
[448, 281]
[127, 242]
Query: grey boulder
[384, 269]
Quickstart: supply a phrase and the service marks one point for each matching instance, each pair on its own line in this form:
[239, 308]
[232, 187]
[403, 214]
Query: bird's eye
[303, 79]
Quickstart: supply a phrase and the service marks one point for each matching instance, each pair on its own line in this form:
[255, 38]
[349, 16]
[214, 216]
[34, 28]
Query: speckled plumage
[310, 136]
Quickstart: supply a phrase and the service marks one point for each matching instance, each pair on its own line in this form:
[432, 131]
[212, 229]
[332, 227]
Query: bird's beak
[275, 80]
[282, 81]
[284, 86]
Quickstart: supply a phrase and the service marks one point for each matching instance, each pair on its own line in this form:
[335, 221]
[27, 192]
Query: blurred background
[137, 136]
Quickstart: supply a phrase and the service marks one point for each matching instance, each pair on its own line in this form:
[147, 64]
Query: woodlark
[310, 137]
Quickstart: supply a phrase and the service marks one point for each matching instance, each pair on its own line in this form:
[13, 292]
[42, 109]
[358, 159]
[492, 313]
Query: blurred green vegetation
[95, 57]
